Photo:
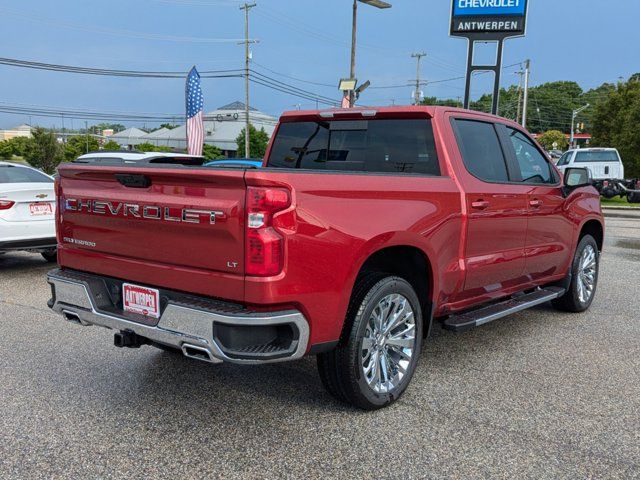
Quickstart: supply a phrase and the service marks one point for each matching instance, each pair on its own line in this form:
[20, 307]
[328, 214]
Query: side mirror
[576, 178]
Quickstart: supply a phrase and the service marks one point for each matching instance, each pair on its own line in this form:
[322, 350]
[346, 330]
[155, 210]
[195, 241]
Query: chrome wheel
[587, 268]
[388, 345]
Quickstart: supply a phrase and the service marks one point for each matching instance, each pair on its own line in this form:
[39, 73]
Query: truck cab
[603, 163]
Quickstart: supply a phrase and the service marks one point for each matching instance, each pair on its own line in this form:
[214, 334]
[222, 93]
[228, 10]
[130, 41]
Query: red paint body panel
[477, 251]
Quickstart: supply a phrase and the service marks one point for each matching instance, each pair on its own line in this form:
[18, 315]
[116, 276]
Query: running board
[475, 318]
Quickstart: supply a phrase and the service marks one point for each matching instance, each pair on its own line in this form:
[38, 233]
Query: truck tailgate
[172, 218]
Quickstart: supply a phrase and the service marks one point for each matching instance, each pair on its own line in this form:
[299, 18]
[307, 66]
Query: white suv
[27, 208]
[603, 163]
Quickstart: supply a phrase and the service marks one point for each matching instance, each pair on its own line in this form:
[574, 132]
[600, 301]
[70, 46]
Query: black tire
[50, 256]
[633, 197]
[341, 370]
[571, 301]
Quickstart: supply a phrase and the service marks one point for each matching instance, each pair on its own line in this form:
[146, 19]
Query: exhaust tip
[72, 317]
[198, 353]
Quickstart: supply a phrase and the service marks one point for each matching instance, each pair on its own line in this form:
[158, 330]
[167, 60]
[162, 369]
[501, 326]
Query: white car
[603, 163]
[125, 156]
[27, 210]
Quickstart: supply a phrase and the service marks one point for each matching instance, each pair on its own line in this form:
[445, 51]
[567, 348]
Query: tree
[258, 141]
[168, 126]
[551, 137]
[111, 145]
[150, 147]
[14, 146]
[615, 124]
[77, 145]
[212, 153]
[43, 151]
[116, 127]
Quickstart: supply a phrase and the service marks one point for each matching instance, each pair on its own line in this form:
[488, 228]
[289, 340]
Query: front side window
[564, 160]
[481, 151]
[11, 174]
[382, 146]
[534, 167]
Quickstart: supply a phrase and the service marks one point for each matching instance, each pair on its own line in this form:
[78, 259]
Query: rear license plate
[141, 300]
[39, 209]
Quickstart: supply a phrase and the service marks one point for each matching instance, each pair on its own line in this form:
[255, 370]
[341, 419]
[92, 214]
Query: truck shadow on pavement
[255, 390]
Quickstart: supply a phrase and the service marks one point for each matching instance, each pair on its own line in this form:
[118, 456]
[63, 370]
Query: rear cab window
[14, 174]
[394, 146]
[596, 157]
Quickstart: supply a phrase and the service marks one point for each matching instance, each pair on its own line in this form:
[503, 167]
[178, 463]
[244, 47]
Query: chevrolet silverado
[364, 228]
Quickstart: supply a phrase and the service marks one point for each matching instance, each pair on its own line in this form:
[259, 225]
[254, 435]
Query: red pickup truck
[364, 227]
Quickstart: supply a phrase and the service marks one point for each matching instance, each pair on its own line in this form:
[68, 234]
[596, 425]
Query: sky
[588, 41]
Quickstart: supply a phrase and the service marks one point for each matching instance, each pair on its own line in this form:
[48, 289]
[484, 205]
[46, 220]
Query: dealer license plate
[40, 209]
[141, 300]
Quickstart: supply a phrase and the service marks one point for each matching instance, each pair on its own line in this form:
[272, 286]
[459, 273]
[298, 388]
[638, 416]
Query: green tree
[551, 137]
[77, 145]
[212, 153]
[43, 151]
[150, 147]
[168, 126]
[258, 141]
[14, 146]
[111, 146]
[615, 124]
[97, 129]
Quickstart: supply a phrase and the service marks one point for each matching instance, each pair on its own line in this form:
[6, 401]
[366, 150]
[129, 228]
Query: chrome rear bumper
[190, 324]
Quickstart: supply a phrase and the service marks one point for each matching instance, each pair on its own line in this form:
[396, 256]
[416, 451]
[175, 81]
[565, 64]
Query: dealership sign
[487, 21]
[507, 17]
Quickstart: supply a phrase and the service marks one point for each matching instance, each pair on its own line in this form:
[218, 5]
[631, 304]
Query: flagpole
[186, 108]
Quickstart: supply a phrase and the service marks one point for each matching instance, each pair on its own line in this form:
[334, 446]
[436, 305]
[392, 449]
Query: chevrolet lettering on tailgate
[150, 212]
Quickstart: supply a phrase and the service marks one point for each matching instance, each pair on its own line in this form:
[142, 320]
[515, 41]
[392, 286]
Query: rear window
[593, 157]
[11, 174]
[383, 146]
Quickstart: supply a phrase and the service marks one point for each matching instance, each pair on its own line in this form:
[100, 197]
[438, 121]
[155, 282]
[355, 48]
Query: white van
[604, 163]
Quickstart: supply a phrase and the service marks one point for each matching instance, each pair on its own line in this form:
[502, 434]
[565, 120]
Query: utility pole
[354, 36]
[520, 73]
[86, 132]
[527, 71]
[247, 57]
[418, 57]
[574, 115]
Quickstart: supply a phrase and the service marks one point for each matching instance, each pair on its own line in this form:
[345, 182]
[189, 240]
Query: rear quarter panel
[338, 220]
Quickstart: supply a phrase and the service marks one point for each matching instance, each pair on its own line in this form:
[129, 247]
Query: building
[19, 131]
[222, 127]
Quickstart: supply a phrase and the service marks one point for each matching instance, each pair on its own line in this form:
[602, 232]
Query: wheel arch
[594, 228]
[407, 261]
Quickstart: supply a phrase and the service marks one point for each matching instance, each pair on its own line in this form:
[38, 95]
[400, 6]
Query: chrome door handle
[480, 205]
[535, 203]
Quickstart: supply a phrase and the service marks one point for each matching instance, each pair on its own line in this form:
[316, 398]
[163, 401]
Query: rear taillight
[6, 204]
[265, 246]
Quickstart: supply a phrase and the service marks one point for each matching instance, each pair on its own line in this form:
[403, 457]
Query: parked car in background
[236, 163]
[555, 155]
[128, 156]
[27, 210]
[604, 164]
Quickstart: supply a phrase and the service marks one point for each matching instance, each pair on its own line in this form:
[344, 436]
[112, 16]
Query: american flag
[346, 101]
[195, 119]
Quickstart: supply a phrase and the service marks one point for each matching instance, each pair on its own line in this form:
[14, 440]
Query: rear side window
[564, 160]
[10, 174]
[594, 157]
[380, 146]
[481, 150]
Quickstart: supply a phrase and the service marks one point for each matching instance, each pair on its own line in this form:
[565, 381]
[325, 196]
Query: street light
[374, 3]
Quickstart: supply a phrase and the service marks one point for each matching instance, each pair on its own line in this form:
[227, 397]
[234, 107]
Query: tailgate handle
[133, 181]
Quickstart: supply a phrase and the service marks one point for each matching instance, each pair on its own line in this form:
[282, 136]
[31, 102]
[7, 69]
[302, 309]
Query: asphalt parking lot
[539, 395]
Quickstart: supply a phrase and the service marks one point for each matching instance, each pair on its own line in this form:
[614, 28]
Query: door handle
[480, 205]
[535, 203]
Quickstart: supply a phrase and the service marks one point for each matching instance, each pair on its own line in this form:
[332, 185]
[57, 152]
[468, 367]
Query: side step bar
[475, 318]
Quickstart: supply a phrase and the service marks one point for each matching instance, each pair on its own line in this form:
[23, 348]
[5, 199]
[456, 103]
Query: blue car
[236, 163]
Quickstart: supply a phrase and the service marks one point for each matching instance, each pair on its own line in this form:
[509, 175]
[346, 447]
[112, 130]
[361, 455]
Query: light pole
[574, 115]
[354, 32]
